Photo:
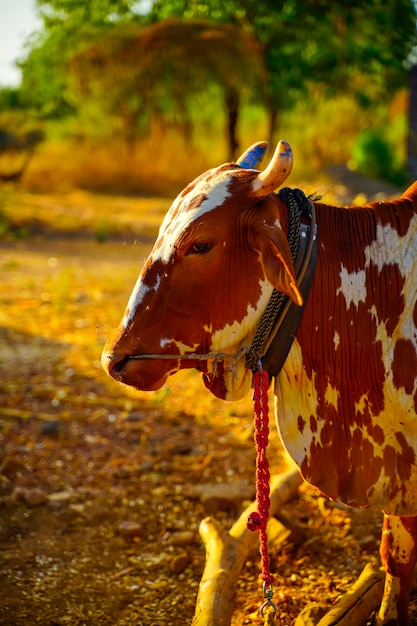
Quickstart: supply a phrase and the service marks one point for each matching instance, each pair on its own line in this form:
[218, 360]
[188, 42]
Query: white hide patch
[332, 396]
[295, 395]
[230, 337]
[233, 337]
[182, 347]
[353, 286]
[216, 192]
[387, 249]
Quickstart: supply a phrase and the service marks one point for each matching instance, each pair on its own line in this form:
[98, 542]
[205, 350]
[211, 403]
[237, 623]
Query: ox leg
[398, 554]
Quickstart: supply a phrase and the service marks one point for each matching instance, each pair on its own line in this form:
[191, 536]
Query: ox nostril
[117, 367]
[114, 365]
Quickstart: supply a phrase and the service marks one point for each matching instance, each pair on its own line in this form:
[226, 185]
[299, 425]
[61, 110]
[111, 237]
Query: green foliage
[4, 220]
[68, 25]
[360, 47]
[376, 158]
[9, 98]
[372, 154]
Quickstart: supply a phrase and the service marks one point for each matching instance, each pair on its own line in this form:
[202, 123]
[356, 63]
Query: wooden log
[226, 553]
[355, 606]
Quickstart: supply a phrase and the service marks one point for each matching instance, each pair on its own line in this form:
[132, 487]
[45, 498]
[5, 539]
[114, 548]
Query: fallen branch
[355, 606]
[226, 553]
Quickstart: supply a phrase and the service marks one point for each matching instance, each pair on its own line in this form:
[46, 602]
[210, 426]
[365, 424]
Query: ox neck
[280, 321]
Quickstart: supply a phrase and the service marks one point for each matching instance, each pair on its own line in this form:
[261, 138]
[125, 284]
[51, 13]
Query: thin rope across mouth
[194, 356]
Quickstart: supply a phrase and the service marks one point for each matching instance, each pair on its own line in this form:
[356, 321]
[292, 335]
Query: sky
[17, 21]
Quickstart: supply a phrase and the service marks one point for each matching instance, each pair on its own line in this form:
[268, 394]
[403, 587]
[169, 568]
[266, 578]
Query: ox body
[346, 396]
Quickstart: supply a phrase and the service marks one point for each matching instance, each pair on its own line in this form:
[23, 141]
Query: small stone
[179, 563]
[164, 466]
[51, 428]
[31, 497]
[223, 497]
[181, 448]
[79, 509]
[146, 466]
[182, 538]
[61, 496]
[130, 529]
[369, 543]
[311, 615]
[11, 466]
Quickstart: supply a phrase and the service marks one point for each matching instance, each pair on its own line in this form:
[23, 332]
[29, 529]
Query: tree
[412, 131]
[139, 74]
[357, 46]
[67, 26]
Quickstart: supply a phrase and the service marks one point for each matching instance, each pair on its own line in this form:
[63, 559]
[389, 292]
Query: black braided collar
[279, 323]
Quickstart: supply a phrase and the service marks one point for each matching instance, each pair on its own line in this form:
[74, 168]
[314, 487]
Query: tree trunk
[412, 129]
[273, 117]
[232, 108]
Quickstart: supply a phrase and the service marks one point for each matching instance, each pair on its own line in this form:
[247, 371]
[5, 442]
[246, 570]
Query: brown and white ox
[346, 397]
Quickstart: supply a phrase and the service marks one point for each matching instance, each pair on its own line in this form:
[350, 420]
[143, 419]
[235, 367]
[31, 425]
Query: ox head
[220, 251]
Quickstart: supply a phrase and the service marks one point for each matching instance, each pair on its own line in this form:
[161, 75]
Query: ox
[346, 396]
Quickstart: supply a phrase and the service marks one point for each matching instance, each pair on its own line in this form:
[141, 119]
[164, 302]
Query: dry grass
[321, 130]
[159, 165]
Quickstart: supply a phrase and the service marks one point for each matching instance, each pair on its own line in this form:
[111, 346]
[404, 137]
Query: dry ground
[80, 456]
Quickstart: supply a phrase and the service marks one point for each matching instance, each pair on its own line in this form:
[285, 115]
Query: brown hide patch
[404, 366]
[396, 213]
[301, 423]
[397, 467]
[341, 338]
[382, 283]
[155, 270]
[365, 469]
[375, 431]
[399, 556]
[313, 424]
[405, 459]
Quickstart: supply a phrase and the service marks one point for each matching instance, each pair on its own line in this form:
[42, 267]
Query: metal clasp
[268, 594]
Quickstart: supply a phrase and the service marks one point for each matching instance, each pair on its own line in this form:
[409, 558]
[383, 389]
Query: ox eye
[200, 248]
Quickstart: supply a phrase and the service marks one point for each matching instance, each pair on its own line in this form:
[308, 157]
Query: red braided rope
[259, 518]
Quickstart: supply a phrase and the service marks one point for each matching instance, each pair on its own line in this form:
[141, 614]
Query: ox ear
[277, 171]
[277, 262]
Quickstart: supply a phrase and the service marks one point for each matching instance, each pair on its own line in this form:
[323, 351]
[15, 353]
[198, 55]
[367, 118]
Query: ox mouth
[131, 371]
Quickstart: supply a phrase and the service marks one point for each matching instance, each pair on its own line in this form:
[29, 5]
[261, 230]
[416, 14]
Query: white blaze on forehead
[175, 222]
[139, 292]
[179, 217]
